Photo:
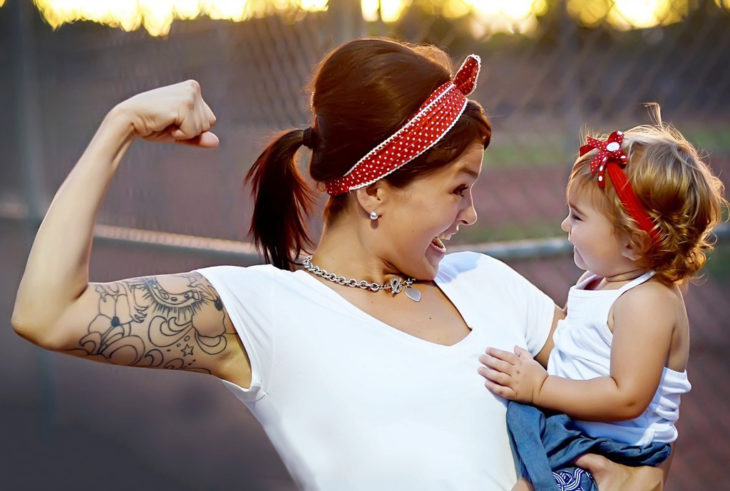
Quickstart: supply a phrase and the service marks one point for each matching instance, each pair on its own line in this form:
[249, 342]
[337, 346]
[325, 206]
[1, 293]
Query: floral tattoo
[141, 323]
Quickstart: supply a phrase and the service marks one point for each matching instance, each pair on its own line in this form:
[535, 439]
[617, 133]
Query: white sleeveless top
[583, 351]
[351, 403]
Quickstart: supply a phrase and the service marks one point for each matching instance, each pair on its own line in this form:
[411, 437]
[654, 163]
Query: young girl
[642, 206]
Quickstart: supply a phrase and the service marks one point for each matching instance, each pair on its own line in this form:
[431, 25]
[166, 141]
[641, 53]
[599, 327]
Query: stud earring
[373, 215]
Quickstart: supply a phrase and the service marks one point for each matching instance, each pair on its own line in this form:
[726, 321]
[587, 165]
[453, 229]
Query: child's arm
[544, 355]
[644, 319]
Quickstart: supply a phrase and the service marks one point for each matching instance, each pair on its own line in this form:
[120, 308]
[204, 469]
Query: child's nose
[565, 224]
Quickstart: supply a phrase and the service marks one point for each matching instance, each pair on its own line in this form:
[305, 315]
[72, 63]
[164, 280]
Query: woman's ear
[371, 198]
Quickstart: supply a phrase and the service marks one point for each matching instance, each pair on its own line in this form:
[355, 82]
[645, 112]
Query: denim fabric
[548, 443]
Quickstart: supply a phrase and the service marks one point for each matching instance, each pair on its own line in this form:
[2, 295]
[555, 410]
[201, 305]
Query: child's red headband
[611, 158]
[433, 120]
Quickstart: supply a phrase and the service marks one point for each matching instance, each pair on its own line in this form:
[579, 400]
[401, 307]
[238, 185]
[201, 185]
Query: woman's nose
[469, 214]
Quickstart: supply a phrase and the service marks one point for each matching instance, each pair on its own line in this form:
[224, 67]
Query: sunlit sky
[487, 16]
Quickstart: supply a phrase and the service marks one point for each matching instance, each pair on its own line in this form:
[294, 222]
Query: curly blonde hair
[677, 189]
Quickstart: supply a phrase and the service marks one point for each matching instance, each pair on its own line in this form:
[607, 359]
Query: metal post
[570, 88]
[30, 136]
[347, 22]
[30, 143]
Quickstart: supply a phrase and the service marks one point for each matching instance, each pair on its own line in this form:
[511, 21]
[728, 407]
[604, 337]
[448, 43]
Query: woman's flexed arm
[174, 321]
[56, 274]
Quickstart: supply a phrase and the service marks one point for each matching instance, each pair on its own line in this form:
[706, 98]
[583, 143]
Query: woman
[360, 382]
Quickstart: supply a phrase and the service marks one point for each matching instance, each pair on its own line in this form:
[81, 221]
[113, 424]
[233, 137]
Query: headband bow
[427, 127]
[607, 150]
[612, 158]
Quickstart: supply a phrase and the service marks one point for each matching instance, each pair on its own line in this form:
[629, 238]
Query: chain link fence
[560, 68]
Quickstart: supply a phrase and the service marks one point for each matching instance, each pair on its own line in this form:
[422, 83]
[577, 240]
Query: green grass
[536, 148]
[713, 139]
[520, 231]
[510, 150]
[718, 261]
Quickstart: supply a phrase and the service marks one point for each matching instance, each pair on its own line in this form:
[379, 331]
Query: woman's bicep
[165, 321]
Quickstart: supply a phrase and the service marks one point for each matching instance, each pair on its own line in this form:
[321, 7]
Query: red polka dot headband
[612, 159]
[427, 127]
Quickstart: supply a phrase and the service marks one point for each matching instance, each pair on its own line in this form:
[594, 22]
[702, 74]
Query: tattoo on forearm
[140, 323]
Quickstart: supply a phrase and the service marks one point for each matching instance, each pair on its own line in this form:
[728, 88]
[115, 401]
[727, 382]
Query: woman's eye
[461, 190]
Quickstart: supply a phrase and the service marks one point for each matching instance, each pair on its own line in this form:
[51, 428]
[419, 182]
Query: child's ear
[634, 246]
[629, 252]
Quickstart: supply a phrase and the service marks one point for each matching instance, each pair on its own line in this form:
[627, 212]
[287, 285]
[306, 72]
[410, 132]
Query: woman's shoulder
[255, 275]
[475, 262]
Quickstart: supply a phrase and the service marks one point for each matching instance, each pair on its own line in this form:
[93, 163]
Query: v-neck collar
[441, 283]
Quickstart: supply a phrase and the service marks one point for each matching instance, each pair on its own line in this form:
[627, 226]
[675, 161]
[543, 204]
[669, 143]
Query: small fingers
[507, 356]
[496, 364]
[495, 376]
[499, 390]
[520, 351]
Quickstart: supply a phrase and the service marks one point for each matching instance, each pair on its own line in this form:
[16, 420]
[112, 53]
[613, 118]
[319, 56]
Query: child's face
[597, 245]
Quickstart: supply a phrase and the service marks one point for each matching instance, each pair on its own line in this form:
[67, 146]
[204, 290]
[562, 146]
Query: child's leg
[522, 485]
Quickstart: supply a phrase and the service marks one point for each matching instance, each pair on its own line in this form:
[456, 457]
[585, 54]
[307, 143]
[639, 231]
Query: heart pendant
[413, 294]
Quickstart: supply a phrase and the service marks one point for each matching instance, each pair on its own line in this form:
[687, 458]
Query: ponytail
[282, 201]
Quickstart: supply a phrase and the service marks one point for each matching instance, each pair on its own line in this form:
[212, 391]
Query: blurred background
[551, 69]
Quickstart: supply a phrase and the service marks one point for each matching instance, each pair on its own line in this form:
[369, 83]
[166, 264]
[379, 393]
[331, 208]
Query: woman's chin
[434, 255]
[426, 268]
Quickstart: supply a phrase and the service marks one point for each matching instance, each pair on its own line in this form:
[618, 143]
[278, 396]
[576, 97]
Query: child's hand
[514, 376]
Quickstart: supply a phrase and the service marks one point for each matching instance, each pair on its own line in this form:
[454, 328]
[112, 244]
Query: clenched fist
[172, 114]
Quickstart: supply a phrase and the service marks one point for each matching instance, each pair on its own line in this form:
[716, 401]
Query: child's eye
[575, 217]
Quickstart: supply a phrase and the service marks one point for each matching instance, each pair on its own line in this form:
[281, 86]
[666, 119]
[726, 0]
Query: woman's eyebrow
[469, 172]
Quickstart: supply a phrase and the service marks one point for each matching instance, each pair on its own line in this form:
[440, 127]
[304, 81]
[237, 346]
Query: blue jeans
[548, 443]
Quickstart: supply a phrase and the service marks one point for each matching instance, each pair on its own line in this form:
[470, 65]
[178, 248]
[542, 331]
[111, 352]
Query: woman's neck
[343, 250]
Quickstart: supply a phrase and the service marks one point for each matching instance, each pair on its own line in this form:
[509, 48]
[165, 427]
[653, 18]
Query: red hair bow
[608, 150]
[611, 158]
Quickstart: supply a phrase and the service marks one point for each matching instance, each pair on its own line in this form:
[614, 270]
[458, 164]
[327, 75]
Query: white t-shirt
[352, 403]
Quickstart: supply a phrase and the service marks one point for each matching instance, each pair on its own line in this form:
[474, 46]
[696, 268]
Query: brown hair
[362, 93]
[678, 191]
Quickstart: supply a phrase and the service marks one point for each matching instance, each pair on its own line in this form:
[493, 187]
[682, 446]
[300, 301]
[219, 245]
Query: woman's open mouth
[438, 242]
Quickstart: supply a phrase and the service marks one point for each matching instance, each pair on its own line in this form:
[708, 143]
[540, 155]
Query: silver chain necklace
[395, 285]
